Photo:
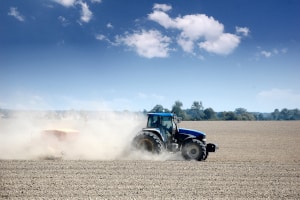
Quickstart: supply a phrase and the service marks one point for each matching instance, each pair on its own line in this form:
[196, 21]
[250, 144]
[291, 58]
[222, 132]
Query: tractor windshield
[156, 121]
[162, 122]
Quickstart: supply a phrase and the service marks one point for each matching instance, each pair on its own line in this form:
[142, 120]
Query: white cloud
[266, 54]
[100, 37]
[242, 30]
[186, 44]
[13, 11]
[63, 20]
[86, 14]
[96, 1]
[148, 44]
[225, 44]
[162, 18]
[109, 25]
[162, 7]
[279, 98]
[279, 51]
[269, 53]
[66, 3]
[198, 28]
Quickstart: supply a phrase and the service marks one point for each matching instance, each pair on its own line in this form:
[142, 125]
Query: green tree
[284, 114]
[296, 114]
[228, 115]
[240, 111]
[243, 114]
[158, 108]
[275, 114]
[197, 105]
[210, 114]
[177, 109]
[260, 117]
[196, 111]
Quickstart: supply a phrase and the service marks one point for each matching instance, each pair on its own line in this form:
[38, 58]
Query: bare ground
[256, 160]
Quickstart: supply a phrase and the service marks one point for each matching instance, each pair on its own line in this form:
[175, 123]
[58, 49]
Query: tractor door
[167, 127]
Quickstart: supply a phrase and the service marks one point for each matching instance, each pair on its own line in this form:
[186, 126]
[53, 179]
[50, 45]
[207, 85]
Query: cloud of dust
[105, 136]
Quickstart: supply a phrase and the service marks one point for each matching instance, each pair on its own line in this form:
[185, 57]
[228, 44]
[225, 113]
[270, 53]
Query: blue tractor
[163, 134]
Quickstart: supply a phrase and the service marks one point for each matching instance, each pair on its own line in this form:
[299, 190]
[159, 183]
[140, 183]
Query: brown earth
[256, 160]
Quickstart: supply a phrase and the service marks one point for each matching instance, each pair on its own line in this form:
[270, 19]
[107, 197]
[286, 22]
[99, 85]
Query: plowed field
[255, 160]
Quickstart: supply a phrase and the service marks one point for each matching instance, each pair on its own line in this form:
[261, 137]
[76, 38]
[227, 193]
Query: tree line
[197, 112]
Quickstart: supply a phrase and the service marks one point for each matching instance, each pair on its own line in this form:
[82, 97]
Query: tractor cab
[165, 123]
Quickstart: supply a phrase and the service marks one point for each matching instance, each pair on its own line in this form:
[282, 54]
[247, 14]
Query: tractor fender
[188, 139]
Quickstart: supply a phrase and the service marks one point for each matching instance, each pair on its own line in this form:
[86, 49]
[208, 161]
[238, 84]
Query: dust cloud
[104, 136]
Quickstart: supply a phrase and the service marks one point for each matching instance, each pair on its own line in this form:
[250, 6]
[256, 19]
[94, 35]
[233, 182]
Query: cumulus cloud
[86, 14]
[162, 7]
[199, 29]
[13, 11]
[96, 1]
[66, 3]
[100, 37]
[186, 44]
[148, 44]
[224, 44]
[63, 21]
[109, 25]
[160, 16]
[279, 51]
[270, 53]
[266, 54]
[242, 30]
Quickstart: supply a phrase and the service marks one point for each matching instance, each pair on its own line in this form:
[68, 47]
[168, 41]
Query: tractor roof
[162, 114]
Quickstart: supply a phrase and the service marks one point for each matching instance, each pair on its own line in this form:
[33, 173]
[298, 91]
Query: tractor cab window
[167, 122]
[153, 122]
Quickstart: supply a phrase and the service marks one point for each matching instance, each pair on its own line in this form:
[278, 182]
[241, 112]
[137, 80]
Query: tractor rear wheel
[194, 150]
[147, 141]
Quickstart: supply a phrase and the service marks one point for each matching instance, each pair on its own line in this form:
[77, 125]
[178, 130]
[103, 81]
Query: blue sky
[132, 55]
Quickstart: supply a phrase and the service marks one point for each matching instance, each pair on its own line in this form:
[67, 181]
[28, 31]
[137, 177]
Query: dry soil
[255, 160]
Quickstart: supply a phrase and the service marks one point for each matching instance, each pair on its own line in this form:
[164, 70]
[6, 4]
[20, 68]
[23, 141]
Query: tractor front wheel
[147, 141]
[194, 150]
